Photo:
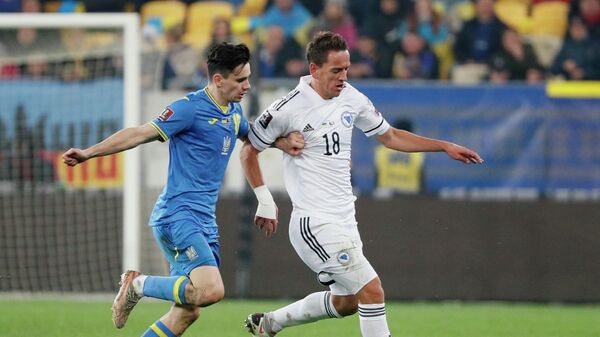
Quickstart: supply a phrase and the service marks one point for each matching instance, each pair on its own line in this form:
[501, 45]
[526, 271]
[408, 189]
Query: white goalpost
[31, 180]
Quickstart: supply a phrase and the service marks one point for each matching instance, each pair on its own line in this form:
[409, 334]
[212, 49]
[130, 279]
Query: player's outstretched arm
[405, 141]
[266, 213]
[120, 141]
[292, 144]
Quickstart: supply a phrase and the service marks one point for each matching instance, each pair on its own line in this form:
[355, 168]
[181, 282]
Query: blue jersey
[202, 135]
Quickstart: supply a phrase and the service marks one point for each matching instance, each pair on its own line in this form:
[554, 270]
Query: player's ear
[313, 70]
[218, 79]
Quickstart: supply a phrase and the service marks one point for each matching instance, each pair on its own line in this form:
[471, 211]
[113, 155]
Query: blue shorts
[188, 245]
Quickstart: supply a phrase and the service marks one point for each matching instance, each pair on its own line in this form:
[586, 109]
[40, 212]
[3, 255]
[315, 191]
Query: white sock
[373, 322]
[138, 284]
[312, 308]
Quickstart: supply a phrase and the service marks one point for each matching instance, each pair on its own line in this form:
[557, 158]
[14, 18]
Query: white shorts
[333, 251]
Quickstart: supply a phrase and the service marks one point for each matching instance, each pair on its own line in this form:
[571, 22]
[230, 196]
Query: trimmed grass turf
[54, 318]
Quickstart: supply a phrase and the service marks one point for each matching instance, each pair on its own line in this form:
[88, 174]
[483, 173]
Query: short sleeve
[266, 129]
[243, 128]
[369, 119]
[176, 117]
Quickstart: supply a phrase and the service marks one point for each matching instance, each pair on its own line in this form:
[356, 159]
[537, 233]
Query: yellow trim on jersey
[158, 331]
[186, 98]
[176, 289]
[224, 109]
[162, 134]
[573, 89]
[236, 121]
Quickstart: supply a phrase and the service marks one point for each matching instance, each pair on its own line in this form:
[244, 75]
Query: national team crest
[343, 258]
[347, 119]
[165, 115]
[226, 145]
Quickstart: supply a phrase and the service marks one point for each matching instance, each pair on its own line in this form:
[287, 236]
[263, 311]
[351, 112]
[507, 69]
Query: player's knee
[214, 295]
[372, 292]
[207, 295]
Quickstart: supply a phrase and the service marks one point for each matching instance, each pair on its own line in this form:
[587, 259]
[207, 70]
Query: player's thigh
[333, 251]
[187, 246]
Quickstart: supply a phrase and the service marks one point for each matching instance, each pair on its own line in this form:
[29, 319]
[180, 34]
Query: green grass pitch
[80, 318]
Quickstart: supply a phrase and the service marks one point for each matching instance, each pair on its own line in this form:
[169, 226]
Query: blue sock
[158, 329]
[171, 288]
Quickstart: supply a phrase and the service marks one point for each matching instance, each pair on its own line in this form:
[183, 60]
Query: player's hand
[74, 156]
[292, 144]
[266, 224]
[463, 154]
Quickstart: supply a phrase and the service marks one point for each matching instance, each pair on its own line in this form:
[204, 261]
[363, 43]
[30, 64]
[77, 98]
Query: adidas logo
[308, 128]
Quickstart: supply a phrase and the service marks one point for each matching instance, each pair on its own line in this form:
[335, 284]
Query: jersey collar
[305, 84]
[223, 109]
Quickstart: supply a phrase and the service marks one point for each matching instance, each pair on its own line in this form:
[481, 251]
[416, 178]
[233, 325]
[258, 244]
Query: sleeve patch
[165, 115]
[265, 119]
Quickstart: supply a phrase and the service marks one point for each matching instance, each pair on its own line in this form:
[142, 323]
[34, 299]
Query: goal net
[67, 81]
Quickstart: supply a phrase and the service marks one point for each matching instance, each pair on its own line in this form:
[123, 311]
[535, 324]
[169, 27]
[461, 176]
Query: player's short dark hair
[224, 57]
[321, 44]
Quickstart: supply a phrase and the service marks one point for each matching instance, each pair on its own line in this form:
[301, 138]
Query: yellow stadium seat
[515, 14]
[200, 20]
[172, 11]
[550, 19]
[252, 7]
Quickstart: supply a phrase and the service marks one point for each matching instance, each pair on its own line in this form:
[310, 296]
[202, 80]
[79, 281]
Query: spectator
[10, 6]
[267, 55]
[368, 61]
[335, 18]
[415, 60]
[480, 37]
[31, 6]
[361, 9]
[589, 12]
[181, 61]
[382, 25]
[290, 15]
[291, 61]
[515, 61]
[579, 57]
[425, 21]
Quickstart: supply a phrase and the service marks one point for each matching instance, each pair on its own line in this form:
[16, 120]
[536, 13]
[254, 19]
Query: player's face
[331, 75]
[237, 84]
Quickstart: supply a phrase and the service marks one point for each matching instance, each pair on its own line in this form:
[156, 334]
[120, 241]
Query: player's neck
[313, 84]
[214, 93]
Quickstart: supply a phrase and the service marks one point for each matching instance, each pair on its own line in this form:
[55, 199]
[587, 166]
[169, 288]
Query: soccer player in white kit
[323, 229]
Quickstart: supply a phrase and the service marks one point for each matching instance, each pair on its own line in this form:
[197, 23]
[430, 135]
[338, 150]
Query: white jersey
[318, 181]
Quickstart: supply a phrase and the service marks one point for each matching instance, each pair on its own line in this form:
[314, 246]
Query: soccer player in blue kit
[202, 128]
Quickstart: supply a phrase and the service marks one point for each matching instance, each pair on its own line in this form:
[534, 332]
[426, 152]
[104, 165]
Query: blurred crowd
[462, 41]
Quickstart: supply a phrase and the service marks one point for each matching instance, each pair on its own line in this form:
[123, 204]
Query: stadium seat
[200, 20]
[550, 18]
[252, 7]
[443, 51]
[174, 11]
[515, 14]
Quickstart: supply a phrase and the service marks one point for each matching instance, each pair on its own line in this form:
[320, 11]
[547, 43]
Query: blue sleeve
[244, 127]
[176, 117]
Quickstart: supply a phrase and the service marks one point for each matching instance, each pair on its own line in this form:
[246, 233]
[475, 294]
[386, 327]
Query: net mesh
[60, 228]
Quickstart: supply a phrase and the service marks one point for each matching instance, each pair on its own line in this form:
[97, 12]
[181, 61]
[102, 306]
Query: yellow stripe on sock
[176, 289]
[158, 331]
